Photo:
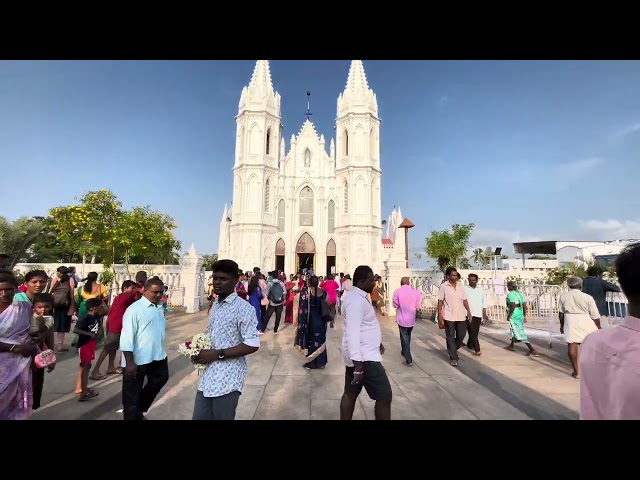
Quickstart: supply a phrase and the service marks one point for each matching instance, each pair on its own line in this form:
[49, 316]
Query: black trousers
[138, 397]
[405, 342]
[267, 316]
[474, 329]
[455, 332]
[37, 380]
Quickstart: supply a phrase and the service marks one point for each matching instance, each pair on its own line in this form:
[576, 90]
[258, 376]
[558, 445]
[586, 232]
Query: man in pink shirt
[610, 359]
[453, 313]
[406, 301]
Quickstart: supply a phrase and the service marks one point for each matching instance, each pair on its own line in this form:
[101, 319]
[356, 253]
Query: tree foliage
[448, 247]
[16, 238]
[209, 260]
[98, 228]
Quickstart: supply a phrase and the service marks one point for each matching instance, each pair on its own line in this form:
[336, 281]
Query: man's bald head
[404, 281]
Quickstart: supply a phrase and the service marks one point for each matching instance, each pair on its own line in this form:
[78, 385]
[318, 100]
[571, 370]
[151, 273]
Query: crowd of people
[36, 315]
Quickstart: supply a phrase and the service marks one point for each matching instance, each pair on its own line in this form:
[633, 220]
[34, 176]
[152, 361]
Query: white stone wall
[185, 281]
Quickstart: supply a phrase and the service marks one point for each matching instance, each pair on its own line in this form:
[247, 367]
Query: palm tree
[479, 257]
[17, 237]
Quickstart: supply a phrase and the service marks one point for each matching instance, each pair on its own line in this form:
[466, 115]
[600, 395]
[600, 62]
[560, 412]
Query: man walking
[142, 346]
[277, 294]
[361, 350]
[406, 301]
[477, 299]
[453, 312]
[232, 328]
[597, 287]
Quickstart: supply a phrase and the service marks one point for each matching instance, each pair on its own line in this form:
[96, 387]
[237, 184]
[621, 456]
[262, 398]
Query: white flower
[199, 342]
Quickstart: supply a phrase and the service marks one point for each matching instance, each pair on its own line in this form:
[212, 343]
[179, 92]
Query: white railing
[542, 300]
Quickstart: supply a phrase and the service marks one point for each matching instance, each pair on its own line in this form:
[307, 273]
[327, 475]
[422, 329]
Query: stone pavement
[497, 385]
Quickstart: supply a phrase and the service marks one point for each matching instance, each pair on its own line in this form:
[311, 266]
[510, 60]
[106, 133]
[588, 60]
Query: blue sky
[526, 150]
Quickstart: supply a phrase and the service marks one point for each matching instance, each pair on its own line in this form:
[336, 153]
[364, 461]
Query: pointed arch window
[331, 217]
[281, 209]
[267, 195]
[306, 207]
[268, 142]
[346, 196]
[345, 147]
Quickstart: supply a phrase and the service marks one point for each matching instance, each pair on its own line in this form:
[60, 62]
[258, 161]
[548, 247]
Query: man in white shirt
[362, 350]
[477, 299]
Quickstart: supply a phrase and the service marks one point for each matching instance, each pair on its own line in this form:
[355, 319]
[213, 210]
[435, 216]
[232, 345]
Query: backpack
[276, 293]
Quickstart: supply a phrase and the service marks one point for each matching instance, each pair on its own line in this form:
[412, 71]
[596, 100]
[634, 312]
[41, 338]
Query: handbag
[44, 358]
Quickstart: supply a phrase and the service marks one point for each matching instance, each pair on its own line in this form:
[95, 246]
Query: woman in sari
[291, 289]
[255, 299]
[35, 282]
[16, 351]
[311, 335]
[517, 317]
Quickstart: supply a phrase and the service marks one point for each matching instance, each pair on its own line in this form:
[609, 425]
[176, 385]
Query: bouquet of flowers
[199, 342]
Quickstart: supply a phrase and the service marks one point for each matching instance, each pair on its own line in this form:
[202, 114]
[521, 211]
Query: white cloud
[626, 131]
[443, 101]
[578, 168]
[610, 229]
[483, 238]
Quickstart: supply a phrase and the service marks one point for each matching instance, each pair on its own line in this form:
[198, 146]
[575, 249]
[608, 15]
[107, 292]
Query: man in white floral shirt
[232, 328]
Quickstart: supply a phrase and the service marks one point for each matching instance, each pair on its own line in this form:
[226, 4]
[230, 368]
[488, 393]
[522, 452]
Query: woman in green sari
[517, 317]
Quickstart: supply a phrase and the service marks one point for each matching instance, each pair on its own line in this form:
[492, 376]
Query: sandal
[90, 394]
[98, 376]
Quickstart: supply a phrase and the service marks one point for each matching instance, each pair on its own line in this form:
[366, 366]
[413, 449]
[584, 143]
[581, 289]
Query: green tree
[17, 238]
[448, 247]
[209, 260]
[91, 225]
[98, 228]
[146, 236]
[479, 257]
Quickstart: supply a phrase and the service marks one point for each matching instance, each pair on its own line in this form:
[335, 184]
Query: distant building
[568, 251]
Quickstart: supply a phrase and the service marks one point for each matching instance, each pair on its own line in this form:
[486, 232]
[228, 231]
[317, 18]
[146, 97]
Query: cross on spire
[308, 114]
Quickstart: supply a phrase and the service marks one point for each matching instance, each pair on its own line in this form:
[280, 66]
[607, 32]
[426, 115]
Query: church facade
[305, 207]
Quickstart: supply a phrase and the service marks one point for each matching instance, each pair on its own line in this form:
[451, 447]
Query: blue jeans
[216, 408]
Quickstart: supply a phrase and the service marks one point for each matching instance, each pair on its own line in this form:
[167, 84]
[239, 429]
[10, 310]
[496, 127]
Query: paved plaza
[499, 385]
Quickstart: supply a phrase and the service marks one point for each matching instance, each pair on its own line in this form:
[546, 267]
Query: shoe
[454, 363]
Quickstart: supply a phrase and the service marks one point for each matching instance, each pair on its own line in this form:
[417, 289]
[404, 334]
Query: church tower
[258, 148]
[358, 173]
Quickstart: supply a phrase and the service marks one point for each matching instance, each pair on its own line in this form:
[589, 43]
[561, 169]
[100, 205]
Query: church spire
[357, 80]
[261, 77]
[357, 96]
[260, 94]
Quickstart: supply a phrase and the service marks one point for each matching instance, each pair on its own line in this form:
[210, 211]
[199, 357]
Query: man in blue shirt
[142, 346]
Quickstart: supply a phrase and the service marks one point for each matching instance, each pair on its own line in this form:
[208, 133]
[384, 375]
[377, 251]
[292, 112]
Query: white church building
[305, 207]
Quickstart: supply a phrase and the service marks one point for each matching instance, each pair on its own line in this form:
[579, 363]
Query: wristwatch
[221, 354]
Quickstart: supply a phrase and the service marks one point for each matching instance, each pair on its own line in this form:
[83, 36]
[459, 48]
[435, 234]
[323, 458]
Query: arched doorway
[280, 255]
[305, 253]
[331, 257]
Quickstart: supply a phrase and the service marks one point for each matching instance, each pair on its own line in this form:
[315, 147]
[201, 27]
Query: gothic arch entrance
[305, 253]
[280, 255]
[331, 257]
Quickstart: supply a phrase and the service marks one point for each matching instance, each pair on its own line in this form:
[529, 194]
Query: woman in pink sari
[16, 351]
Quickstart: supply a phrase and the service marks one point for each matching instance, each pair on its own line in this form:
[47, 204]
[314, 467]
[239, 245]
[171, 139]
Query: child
[87, 329]
[41, 331]
[41, 321]
[165, 299]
